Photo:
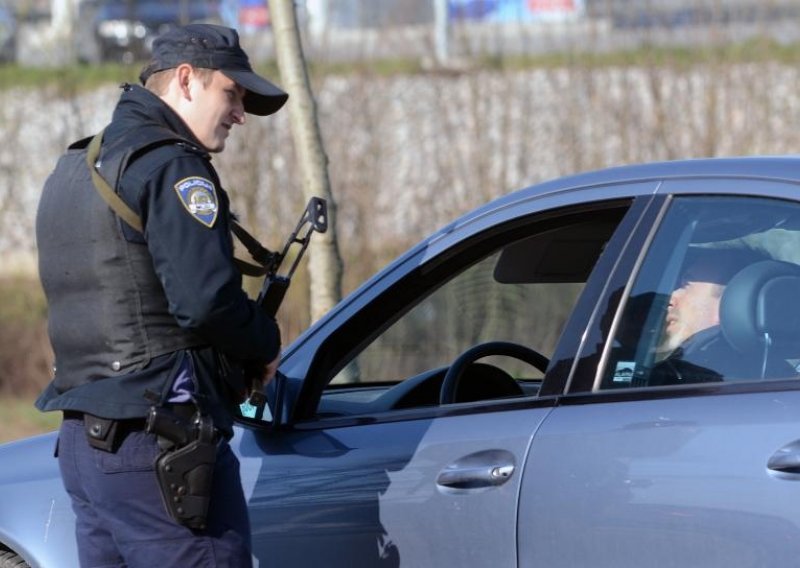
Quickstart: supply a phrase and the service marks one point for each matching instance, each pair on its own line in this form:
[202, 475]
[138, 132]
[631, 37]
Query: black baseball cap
[209, 46]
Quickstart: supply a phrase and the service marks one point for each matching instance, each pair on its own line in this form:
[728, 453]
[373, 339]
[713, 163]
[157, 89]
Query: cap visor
[262, 97]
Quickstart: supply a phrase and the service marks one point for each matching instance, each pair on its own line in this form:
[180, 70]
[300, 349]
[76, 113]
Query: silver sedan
[600, 370]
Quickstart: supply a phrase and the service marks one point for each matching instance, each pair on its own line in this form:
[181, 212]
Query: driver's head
[694, 304]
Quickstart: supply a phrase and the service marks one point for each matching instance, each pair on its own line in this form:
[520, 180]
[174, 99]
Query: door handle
[786, 460]
[475, 477]
[489, 468]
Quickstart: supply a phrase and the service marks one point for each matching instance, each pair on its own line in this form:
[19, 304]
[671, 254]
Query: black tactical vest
[108, 314]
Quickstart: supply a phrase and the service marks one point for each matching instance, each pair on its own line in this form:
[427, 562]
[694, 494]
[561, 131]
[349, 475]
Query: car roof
[776, 168]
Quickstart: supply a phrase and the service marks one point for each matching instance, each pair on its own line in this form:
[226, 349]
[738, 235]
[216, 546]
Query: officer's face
[215, 106]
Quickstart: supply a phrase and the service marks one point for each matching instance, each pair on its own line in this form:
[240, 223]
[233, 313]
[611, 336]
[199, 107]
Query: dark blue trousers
[121, 520]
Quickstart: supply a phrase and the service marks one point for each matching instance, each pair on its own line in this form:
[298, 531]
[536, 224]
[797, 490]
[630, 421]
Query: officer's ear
[184, 73]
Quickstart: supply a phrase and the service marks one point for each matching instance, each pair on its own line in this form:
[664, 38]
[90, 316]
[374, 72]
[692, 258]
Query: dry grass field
[19, 418]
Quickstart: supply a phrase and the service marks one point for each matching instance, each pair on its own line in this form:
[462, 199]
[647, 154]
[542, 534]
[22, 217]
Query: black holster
[185, 468]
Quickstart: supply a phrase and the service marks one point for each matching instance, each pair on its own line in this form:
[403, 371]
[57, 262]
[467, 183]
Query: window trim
[591, 327]
[637, 394]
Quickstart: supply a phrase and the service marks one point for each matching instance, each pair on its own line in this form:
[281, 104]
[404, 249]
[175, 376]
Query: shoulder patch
[199, 197]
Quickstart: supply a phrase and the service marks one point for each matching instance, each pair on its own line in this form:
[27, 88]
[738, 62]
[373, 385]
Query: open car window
[519, 292]
[715, 299]
[472, 308]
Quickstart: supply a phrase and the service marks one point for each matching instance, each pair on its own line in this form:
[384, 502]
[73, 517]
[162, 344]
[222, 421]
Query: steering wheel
[447, 394]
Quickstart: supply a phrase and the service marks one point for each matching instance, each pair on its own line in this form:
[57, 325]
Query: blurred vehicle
[497, 396]
[8, 35]
[253, 15]
[123, 30]
[515, 11]
[675, 14]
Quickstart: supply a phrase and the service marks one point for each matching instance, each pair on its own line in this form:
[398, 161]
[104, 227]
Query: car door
[699, 468]
[373, 470]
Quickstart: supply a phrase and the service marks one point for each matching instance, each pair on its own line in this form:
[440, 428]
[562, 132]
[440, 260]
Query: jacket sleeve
[192, 252]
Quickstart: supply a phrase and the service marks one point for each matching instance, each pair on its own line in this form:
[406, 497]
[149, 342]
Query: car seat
[760, 315]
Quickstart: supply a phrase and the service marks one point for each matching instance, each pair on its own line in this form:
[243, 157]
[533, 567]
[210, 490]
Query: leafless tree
[325, 263]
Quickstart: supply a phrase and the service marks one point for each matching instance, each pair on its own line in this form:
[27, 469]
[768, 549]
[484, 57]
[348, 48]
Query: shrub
[25, 354]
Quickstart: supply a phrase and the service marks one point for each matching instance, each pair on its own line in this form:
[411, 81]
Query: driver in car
[697, 351]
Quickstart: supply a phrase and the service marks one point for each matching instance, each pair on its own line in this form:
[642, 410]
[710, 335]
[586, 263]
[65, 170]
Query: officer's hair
[157, 82]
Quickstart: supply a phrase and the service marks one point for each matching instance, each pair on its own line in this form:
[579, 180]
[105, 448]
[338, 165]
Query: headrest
[760, 301]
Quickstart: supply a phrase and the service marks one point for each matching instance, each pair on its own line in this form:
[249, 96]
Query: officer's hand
[259, 375]
[271, 369]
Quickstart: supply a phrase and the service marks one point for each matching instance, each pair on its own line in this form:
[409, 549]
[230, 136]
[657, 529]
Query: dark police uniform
[142, 319]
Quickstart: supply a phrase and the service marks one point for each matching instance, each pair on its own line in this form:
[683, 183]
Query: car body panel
[36, 519]
[364, 494]
[660, 483]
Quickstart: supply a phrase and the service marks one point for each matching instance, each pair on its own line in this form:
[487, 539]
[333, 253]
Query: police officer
[147, 312]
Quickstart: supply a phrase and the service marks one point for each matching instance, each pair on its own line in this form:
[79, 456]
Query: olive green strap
[249, 269]
[258, 252]
[265, 258]
[106, 191]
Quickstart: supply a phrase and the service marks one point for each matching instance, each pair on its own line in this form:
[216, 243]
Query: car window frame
[613, 270]
[463, 253]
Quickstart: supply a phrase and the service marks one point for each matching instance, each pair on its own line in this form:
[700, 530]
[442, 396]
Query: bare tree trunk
[325, 262]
